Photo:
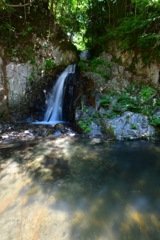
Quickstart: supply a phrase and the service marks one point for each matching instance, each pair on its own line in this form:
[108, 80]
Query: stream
[73, 188]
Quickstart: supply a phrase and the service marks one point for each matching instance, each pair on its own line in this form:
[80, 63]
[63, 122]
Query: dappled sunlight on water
[79, 189]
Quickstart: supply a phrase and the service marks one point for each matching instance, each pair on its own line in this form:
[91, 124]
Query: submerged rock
[28, 132]
[59, 129]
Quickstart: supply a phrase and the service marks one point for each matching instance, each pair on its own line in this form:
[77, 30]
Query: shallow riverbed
[69, 188]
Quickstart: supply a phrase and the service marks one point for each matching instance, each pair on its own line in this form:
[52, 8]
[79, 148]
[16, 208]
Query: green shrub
[84, 124]
[93, 64]
[49, 64]
[147, 93]
[155, 120]
[137, 97]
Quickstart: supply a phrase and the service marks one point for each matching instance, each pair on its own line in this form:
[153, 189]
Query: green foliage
[32, 60]
[84, 124]
[95, 115]
[148, 39]
[49, 64]
[137, 97]
[17, 25]
[119, 103]
[72, 17]
[83, 65]
[31, 78]
[147, 92]
[155, 120]
[35, 73]
[134, 23]
[27, 31]
[139, 29]
[106, 101]
[95, 65]
[134, 127]
[95, 62]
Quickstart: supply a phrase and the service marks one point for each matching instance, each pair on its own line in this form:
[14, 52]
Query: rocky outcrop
[18, 78]
[48, 51]
[23, 79]
[130, 126]
[34, 49]
[150, 70]
[19, 75]
[107, 101]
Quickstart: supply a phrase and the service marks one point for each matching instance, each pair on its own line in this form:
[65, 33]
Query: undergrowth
[137, 97]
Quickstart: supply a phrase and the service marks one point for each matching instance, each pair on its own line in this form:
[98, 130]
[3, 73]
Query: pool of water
[49, 123]
[69, 188]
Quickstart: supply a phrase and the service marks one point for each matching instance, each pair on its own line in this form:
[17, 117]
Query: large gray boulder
[18, 79]
[130, 126]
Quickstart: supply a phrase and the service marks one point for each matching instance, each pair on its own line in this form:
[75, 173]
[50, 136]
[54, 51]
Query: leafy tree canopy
[90, 23]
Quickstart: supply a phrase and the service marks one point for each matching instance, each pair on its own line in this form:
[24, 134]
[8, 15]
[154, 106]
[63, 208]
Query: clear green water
[79, 189]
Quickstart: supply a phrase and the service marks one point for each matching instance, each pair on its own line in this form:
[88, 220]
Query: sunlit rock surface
[18, 80]
[150, 71]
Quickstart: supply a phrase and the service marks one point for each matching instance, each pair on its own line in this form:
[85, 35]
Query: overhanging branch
[18, 5]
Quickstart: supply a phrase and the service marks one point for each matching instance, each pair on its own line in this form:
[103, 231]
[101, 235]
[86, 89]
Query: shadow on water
[106, 190]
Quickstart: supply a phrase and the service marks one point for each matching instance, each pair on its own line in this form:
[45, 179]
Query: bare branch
[18, 5]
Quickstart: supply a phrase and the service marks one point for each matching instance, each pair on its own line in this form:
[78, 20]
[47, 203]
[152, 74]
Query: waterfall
[54, 110]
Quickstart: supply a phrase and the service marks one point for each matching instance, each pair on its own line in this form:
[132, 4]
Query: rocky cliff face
[143, 67]
[23, 81]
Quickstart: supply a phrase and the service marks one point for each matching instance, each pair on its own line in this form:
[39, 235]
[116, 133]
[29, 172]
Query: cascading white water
[55, 100]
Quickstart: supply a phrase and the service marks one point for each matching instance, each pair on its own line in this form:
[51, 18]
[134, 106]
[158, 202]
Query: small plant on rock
[49, 64]
[155, 120]
[84, 124]
[147, 93]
